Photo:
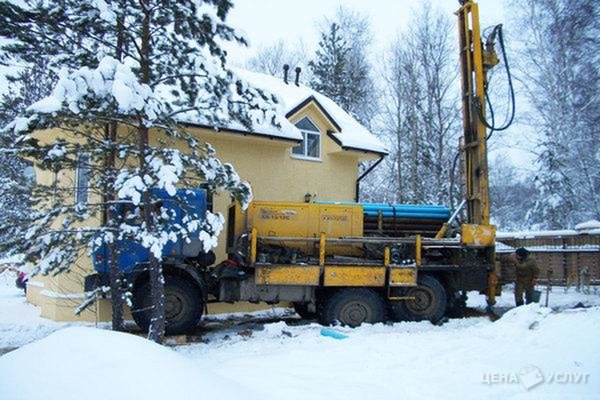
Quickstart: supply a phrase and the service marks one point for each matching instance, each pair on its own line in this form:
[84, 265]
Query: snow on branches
[127, 71]
[92, 91]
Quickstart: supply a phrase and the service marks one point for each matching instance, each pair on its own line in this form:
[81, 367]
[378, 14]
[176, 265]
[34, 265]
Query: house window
[82, 179]
[310, 147]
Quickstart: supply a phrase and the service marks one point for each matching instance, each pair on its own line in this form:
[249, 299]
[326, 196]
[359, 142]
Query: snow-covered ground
[531, 352]
[558, 298]
[20, 322]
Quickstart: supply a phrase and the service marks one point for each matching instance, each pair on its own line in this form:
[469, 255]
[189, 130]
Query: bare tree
[419, 115]
[512, 195]
[270, 59]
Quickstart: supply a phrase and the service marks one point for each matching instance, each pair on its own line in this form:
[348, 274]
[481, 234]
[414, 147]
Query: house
[313, 154]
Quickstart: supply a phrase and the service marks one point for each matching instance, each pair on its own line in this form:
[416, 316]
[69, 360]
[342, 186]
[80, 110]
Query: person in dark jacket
[527, 274]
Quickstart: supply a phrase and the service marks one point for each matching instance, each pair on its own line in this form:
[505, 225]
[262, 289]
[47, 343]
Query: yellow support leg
[386, 257]
[253, 240]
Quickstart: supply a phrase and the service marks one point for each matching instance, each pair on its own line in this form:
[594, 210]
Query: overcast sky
[266, 21]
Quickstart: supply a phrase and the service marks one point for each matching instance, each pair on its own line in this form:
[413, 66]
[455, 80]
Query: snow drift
[87, 363]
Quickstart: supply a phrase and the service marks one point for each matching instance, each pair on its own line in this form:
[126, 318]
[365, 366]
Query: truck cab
[183, 262]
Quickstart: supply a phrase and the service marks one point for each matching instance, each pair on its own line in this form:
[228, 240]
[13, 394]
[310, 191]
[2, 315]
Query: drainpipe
[364, 174]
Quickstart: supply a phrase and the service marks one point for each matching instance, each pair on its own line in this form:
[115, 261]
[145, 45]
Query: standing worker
[527, 274]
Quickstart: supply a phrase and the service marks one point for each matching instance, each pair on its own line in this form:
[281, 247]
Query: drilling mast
[475, 62]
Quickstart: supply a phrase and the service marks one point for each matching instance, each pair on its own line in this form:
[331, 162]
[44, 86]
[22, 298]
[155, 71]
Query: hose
[508, 122]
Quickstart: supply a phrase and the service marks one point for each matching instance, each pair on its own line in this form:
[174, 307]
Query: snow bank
[592, 225]
[521, 318]
[88, 363]
[468, 358]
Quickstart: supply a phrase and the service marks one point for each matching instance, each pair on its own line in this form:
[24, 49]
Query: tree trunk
[157, 289]
[116, 292]
[116, 285]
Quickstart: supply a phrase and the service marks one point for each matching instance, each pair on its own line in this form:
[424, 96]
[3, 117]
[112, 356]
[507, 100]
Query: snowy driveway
[468, 358]
[531, 352]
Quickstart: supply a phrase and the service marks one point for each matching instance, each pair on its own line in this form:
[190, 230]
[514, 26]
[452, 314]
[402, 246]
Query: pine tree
[28, 86]
[173, 70]
[330, 75]
[340, 70]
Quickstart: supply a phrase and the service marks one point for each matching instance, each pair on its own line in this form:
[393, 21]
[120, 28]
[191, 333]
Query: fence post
[548, 284]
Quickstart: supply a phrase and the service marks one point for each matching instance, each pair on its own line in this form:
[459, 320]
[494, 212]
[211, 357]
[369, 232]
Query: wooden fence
[566, 257]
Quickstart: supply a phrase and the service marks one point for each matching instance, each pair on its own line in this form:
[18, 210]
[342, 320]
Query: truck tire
[429, 303]
[183, 305]
[352, 307]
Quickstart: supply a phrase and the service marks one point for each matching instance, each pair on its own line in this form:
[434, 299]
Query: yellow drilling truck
[349, 262]
[355, 263]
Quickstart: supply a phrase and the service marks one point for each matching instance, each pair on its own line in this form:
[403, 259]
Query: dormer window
[310, 148]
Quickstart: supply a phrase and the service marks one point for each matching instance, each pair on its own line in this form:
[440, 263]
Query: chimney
[286, 68]
[298, 70]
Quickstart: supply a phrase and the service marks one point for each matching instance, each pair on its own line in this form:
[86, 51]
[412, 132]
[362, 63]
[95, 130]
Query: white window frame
[304, 143]
[84, 170]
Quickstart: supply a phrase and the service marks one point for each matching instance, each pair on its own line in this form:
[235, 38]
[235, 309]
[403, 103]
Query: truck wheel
[353, 307]
[429, 303]
[183, 305]
[302, 310]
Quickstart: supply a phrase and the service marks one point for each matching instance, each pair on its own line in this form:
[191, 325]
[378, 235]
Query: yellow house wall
[59, 295]
[271, 170]
[275, 175]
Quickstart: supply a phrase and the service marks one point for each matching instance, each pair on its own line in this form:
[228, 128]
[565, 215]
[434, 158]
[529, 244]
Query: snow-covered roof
[352, 135]
[590, 227]
[113, 79]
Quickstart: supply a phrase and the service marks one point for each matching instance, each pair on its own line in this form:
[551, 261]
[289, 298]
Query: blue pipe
[409, 210]
[409, 215]
[369, 205]
[400, 210]
[379, 205]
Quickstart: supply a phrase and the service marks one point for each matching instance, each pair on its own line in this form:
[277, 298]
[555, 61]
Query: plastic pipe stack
[398, 220]
[406, 211]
